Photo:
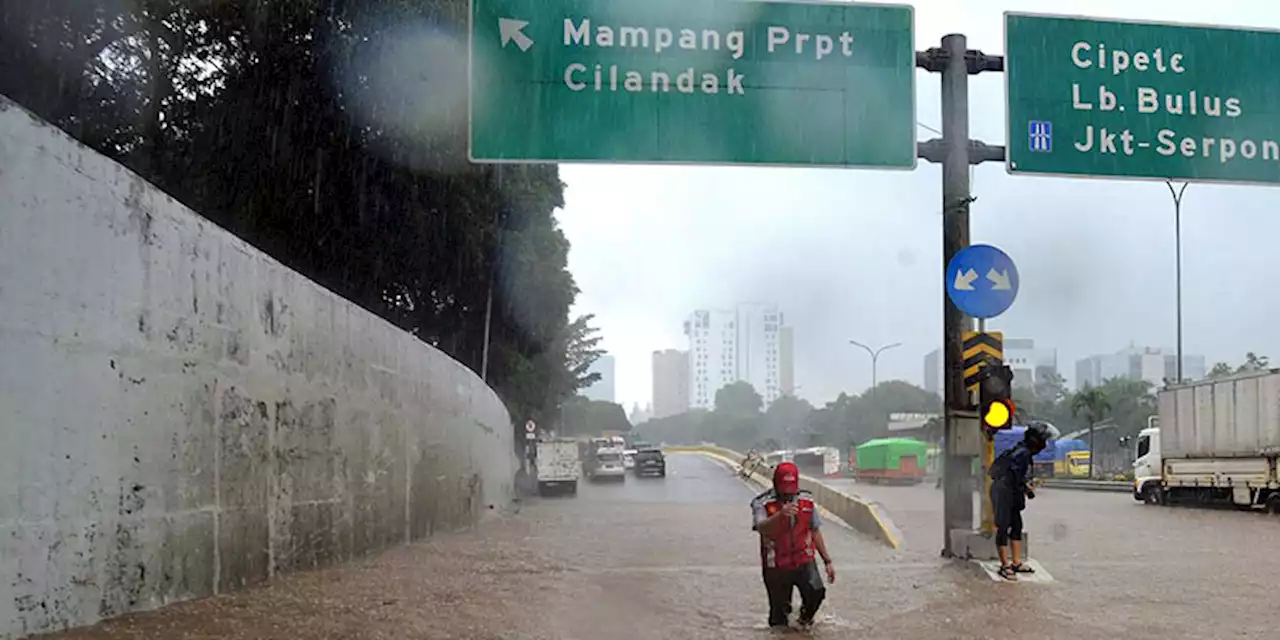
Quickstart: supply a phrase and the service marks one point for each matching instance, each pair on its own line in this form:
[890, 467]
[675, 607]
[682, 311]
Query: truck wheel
[1152, 495]
[1273, 504]
[542, 489]
[573, 488]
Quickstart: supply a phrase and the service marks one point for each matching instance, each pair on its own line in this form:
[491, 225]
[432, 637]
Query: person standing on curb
[1010, 488]
[790, 538]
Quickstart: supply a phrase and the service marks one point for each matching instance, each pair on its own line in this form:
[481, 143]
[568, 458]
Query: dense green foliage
[313, 130]
[585, 417]
[737, 421]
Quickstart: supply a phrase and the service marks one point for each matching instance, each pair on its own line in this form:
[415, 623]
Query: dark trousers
[1006, 507]
[778, 582]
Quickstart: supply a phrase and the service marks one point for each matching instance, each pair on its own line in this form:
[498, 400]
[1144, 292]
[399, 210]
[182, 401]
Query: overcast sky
[858, 253]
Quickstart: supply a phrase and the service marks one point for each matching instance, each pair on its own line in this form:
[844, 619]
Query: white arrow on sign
[999, 280]
[964, 280]
[512, 31]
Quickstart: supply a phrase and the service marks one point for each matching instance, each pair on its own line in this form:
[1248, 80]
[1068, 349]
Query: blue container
[1006, 438]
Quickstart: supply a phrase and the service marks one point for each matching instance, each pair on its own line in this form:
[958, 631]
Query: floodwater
[675, 558]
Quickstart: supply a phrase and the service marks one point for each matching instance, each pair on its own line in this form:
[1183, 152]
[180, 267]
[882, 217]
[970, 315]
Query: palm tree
[1093, 403]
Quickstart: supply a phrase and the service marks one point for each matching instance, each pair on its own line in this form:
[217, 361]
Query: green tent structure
[892, 460]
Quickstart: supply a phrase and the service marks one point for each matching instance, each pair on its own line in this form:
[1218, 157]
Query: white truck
[558, 465]
[1216, 441]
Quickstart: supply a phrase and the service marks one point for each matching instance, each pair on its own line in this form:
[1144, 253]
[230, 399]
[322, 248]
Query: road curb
[860, 515]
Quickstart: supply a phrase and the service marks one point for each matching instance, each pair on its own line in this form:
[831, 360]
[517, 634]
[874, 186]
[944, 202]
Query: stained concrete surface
[183, 415]
[675, 558]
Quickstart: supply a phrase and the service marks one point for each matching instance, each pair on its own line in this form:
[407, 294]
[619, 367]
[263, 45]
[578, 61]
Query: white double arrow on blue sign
[999, 280]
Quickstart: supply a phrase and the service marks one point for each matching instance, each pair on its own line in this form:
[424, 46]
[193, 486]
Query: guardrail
[863, 516]
[1117, 486]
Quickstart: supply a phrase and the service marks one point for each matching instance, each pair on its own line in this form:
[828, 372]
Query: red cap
[786, 478]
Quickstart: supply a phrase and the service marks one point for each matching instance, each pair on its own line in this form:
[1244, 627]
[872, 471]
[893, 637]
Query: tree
[786, 418]
[738, 399]
[1130, 403]
[1254, 362]
[1092, 402]
[581, 416]
[581, 351]
[299, 127]
[1220, 370]
[682, 428]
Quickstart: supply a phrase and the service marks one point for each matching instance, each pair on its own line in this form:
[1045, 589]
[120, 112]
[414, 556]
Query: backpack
[1000, 466]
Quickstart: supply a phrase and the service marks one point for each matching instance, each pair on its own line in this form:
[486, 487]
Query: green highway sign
[693, 81]
[1107, 98]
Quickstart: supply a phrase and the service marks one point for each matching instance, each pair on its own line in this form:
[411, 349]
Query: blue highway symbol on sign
[982, 281]
[1040, 136]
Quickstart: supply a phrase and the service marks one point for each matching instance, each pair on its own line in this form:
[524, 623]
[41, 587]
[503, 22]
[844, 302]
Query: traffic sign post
[982, 281]
[1109, 98]
[956, 153]
[692, 81]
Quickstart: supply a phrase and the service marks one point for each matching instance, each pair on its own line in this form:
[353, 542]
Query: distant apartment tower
[726, 346]
[602, 389]
[933, 372]
[787, 361]
[670, 382]
[1030, 364]
[1138, 363]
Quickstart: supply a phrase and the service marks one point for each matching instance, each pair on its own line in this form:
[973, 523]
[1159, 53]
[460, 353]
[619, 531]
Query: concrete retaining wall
[182, 415]
[863, 516]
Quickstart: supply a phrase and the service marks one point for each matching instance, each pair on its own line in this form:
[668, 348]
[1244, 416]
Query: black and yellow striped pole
[986, 376]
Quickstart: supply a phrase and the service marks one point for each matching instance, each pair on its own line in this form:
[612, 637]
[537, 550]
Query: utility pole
[1177, 244]
[956, 152]
[494, 272]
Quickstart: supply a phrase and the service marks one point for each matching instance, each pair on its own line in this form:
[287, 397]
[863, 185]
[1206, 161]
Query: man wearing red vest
[790, 535]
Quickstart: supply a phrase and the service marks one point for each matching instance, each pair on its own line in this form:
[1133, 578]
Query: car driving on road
[650, 462]
[608, 465]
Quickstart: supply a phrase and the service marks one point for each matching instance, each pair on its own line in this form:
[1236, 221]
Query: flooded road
[675, 558]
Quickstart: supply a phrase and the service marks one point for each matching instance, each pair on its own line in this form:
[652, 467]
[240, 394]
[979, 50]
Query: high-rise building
[1138, 363]
[602, 389]
[933, 372]
[787, 361]
[1030, 364]
[670, 382]
[726, 346]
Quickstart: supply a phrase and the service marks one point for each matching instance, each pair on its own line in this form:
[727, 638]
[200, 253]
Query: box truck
[1214, 440]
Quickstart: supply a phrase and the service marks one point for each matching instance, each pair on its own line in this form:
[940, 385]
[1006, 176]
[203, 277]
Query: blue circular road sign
[982, 281]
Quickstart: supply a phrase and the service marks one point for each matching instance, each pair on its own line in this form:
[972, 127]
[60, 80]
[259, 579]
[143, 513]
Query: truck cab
[1147, 466]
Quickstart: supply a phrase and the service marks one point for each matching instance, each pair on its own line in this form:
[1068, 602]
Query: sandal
[1022, 568]
[1007, 572]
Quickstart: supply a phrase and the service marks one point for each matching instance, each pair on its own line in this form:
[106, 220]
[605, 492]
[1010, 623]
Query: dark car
[650, 462]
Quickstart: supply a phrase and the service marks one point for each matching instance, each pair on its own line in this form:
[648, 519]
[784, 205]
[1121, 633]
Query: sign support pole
[956, 152]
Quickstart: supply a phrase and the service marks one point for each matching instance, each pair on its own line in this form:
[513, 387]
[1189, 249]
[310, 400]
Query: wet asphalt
[674, 557]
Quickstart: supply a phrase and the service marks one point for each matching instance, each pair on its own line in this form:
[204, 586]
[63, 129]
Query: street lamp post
[1177, 242]
[875, 358]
